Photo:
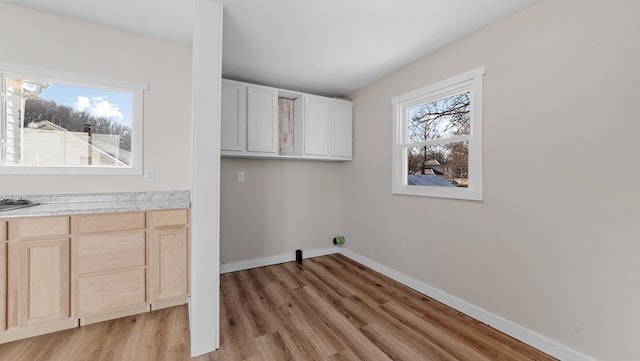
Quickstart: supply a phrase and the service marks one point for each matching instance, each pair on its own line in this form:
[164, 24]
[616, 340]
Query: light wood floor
[327, 309]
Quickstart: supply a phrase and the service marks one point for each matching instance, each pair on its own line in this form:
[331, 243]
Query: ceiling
[328, 47]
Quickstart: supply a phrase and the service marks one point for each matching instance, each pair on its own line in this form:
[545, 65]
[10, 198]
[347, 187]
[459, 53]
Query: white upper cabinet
[233, 132]
[262, 120]
[341, 116]
[316, 126]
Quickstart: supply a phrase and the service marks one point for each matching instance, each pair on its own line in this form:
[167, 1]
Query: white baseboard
[271, 260]
[514, 330]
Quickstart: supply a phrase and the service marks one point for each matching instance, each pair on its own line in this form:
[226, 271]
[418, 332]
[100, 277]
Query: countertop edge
[58, 205]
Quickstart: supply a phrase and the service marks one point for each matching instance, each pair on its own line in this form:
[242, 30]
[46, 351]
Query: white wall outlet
[240, 176]
[150, 174]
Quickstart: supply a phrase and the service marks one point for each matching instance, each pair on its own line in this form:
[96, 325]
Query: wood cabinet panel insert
[3, 279]
[173, 217]
[111, 291]
[38, 227]
[112, 222]
[170, 263]
[38, 282]
[104, 252]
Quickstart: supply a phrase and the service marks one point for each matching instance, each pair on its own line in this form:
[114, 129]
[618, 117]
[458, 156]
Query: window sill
[451, 193]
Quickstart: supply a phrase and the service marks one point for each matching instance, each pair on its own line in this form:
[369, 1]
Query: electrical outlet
[240, 176]
[150, 174]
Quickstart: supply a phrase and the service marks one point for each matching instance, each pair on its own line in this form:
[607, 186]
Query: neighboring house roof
[429, 171]
[428, 180]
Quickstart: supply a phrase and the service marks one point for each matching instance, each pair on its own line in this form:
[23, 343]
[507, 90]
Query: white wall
[282, 205]
[41, 40]
[555, 245]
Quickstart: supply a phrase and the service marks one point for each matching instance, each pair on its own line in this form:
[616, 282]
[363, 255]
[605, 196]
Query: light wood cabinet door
[3, 276]
[316, 126]
[169, 261]
[38, 282]
[262, 120]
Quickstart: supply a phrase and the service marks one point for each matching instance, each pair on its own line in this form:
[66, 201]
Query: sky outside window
[113, 105]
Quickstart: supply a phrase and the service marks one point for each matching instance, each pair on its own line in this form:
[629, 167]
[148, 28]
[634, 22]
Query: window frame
[470, 81]
[66, 78]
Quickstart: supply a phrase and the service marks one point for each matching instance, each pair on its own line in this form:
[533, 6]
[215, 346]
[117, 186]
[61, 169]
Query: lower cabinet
[38, 282]
[109, 273]
[3, 276]
[61, 272]
[169, 258]
[37, 277]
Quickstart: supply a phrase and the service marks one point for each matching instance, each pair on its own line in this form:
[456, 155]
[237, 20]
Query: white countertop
[67, 204]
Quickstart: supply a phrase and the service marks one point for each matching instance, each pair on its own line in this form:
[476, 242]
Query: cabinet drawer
[112, 222]
[173, 217]
[38, 227]
[104, 252]
[111, 291]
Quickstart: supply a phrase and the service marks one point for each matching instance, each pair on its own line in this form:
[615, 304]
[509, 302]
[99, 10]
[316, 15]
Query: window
[437, 139]
[60, 123]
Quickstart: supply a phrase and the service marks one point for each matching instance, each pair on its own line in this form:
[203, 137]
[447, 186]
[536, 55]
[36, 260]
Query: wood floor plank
[351, 336]
[346, 355]
[327, 308]
[432, 334]
[397, 348]
[336, 295]
[273, 348]
[296, 334]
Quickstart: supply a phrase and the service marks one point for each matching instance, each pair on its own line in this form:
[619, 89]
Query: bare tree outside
[437, 120]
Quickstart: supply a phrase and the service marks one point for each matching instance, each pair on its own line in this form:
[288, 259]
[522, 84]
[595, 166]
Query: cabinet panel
[173, 217]
[233, 117]
[341, 129]
[38, 227]
[262, 120]
[112, 291]
[169, 263]
[112, 222]
[316, 126]
[38, 282]
[3, 278]
[104, 252]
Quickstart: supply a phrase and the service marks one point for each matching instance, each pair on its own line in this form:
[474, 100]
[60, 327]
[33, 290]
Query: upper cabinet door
[233, 132]
[316, 126]
[341, 129]
[262, 120]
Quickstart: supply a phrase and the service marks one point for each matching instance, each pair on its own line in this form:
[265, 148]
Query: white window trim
[469, 81]
[137, 126]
